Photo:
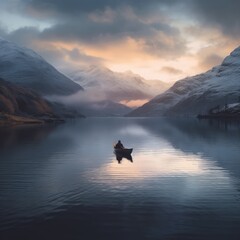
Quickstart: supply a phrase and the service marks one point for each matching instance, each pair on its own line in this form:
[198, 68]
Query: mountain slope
[23, 105]
[117, 87]
[198, 94]
[27, 69]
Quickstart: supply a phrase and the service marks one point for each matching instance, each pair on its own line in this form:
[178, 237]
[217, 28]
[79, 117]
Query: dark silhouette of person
[119, 145]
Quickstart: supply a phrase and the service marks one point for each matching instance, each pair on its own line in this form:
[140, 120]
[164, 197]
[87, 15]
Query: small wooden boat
[124, 151]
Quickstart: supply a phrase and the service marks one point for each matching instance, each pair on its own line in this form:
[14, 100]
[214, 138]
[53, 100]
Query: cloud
[85, 97]
[25, 36]
[3, 31]
[76, 55]
[218, 13]
[210, 61]
[63, 57]
[213, 54]
[74, 7]
[99, 26]
[157, 40]
[171, 70]
[108, 22]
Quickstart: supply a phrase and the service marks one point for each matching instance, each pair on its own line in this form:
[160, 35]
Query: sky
[158, 39]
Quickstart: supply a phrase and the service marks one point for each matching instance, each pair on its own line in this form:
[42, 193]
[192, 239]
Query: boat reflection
[121, 156]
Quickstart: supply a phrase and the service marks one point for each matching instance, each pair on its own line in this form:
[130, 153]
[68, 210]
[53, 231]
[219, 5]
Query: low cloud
[80, 98]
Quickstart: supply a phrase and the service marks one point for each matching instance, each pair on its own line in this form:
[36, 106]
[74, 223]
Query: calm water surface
[64, 182]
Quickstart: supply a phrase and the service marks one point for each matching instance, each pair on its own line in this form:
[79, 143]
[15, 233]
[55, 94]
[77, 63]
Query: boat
[124, 151]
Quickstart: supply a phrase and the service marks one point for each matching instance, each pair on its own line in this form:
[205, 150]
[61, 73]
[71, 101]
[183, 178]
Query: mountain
[117, 87]
[197, 95]
[26, 68]
[21, 105]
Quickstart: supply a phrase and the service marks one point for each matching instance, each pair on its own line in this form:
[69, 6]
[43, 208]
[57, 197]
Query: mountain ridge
[194, 95]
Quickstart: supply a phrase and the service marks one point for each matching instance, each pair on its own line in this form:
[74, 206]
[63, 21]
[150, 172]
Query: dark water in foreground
[64, 182]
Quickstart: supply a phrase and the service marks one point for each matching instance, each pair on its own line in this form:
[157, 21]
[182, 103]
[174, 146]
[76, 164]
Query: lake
[64, 182]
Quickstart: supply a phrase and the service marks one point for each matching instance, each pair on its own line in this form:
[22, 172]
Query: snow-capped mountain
[196, 95]
[116, 86]
[26, 68]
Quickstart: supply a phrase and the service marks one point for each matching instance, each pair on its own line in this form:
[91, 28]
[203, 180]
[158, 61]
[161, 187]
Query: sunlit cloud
[135, 103]
[171, 70]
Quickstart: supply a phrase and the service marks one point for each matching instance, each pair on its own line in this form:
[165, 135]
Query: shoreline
[13, 120]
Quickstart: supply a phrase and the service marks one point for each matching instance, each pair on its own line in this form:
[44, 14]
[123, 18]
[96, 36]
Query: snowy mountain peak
[8, 48]
[28, 69]
[236, 52]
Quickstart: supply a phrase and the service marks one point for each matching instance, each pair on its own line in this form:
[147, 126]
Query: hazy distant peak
[117, 86]
[131, 73]
[97, 69]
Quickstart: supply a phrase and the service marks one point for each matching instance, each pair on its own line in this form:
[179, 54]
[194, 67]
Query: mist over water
[64, 182]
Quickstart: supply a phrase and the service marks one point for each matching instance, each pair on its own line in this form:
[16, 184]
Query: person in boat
[119, 145]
